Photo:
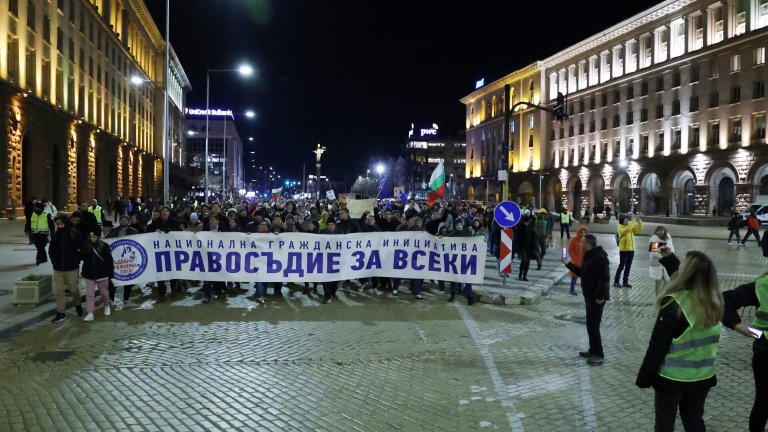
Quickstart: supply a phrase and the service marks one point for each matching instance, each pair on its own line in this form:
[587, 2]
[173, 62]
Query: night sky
[353, 75]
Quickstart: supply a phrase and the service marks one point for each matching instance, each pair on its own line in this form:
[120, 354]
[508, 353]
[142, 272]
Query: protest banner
[359, 206]
[296, 257]
[331, 195]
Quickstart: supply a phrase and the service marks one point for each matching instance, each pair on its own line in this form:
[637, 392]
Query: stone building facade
[81, 100]
[667, 113]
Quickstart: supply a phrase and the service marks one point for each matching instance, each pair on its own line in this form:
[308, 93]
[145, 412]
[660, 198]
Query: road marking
[515, 419]
[590, 422]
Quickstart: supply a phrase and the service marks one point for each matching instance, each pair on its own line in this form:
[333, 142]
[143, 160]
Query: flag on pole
[436, 184]
[276, 193]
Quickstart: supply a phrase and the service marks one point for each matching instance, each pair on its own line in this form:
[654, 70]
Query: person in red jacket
[753, 228]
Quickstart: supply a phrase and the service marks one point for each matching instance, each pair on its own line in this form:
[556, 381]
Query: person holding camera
[656, 271]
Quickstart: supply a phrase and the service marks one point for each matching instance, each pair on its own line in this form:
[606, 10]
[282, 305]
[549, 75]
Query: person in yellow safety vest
[753, 294]
[565, 223]
[40, 225]
[680, 361]
[95, 208]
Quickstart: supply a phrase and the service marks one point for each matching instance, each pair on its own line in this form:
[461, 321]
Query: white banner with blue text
[296, 257]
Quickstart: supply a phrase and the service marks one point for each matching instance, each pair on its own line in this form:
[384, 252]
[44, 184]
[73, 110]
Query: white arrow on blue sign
[507, 214]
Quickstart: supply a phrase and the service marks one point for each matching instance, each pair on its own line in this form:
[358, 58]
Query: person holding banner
[98, 269]
[165, 223]
[460, 231]
[409, 225]
[330, 288]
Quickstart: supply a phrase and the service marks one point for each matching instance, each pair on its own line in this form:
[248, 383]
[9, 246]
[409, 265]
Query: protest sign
[298, 257]
[358, 207]
[331, 195]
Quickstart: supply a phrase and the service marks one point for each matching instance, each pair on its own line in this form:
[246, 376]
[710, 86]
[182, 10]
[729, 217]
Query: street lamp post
[166, 162]
[244, 70]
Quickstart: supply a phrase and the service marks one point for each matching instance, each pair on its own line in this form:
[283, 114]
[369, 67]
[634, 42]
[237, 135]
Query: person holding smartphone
[629, 226]
[753, 294]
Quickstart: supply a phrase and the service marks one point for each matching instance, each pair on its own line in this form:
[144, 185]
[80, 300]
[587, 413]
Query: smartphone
[565, 253]
[757, 334]
[654, 247]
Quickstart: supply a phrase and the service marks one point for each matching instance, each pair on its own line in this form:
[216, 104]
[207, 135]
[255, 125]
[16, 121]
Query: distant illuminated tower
[318, 153]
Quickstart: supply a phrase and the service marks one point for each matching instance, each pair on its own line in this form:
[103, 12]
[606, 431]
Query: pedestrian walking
[65, 252]
[460, 231]
[409, 225]
[29, 208]
[540, 230]
[98, 269]
[123, 229]
[576, 254]
[565, 224]
[680, 361]
[753, 294]
[733, 227]
[595, 286]
[656, 271]
[39, 225]
[628, 227]
[524, 243]
[753, 228]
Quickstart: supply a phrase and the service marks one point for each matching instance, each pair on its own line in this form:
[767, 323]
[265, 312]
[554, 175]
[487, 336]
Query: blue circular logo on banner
[507, 214]
[130, 259]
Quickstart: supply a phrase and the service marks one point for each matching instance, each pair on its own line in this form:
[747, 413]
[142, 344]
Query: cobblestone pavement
[365, 363]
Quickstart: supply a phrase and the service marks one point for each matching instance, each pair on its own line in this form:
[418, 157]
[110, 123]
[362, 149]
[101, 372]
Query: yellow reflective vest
[38, 224]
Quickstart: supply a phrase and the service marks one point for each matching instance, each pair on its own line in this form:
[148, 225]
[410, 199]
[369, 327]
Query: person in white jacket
[660, 239]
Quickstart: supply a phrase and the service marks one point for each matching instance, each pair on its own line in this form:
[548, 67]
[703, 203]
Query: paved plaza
[364, 363]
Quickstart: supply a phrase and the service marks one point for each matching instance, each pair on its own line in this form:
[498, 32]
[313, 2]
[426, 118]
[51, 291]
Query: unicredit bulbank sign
[210, 112]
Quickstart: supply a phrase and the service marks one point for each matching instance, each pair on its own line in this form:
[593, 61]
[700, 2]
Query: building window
[603, 123]
[759, 57]
[60, 5]
[659, 111]
[13, 7]
[604, 99]
[630, 117]
[616, 96]
[581, 106]
[630, 92]
[735, 135]
[660, 84]
[676, 78]
[715, 68]
[644, 88]
[31, 15]
[735, 62]
[693, 104]
[758, 89]
[595, 153]
[659, 141]
[592, 125]
[735, 94]
[677, 140]
[713, 134]
[758, 127]
[644, 144]
[604, 151]
[552, 135]
[13, 58]
[693, 138]
[581, 128]
[694, 73]
[562, 133]
[531, 121]
[570, 130]
[643, 114]
[530, 91]
[60, 40]
[616, 120]
[676, 107]
[616, 149]
[592, 103]
[714, 99]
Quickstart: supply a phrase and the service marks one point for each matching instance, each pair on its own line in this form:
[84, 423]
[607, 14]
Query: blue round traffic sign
[507, 214]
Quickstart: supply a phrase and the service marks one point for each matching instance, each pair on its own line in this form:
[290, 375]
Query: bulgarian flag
[436, 184]
[276, 193]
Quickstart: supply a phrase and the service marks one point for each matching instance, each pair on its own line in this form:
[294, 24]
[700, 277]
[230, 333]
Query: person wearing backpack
[628, 227]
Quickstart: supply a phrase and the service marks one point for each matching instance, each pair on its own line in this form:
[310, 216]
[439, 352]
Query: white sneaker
[88, 317]
[730, 243]
[107, 310]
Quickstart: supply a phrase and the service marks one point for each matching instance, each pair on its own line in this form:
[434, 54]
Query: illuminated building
[424, 149]
[667, 113]
[222, 132]
[81, 89]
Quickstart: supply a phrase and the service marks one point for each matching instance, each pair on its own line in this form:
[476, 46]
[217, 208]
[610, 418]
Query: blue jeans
[415, 286]
[625, 263]
[573, 283]
[261, 289]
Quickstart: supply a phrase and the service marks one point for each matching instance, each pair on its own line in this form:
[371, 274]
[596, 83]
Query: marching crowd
[679, 363]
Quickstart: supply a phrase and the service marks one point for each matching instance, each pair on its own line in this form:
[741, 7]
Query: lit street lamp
[244, 70]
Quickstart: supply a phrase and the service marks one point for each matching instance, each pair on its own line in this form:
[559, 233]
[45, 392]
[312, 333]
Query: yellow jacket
[627, 235]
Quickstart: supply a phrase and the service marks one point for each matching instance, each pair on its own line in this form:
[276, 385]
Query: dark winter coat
[66, 249]
[97, 261]
[594, 273]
